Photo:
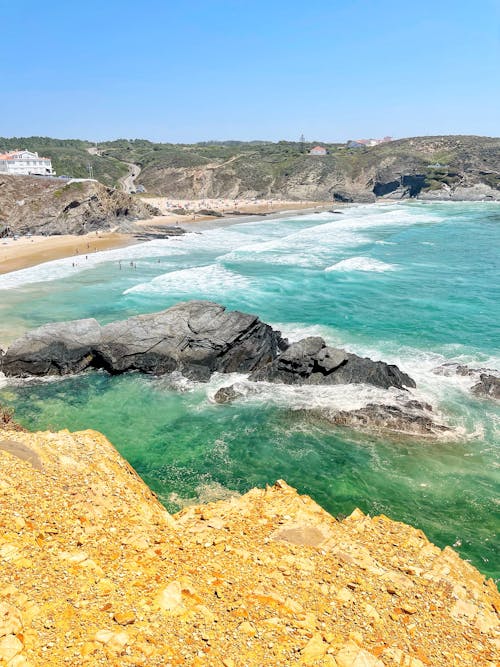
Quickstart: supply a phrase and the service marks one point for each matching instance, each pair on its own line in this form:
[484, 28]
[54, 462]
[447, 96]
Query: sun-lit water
[415, 284]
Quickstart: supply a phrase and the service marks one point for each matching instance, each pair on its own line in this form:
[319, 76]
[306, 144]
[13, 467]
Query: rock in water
[196, 338]
[408, 417]
[311, 361]
[54, 349]
[488, 386]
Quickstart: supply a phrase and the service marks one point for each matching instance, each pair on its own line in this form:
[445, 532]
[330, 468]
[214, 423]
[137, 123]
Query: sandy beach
[24, 252]
[226, 207]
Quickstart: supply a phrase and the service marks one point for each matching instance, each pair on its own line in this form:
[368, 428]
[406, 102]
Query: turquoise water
[415, 284]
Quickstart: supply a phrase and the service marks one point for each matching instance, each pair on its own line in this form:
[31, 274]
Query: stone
[311, 361]
[226, 394]
[351, 655]
[411, 418]
[10, 620]
[487, 387]
[53, 349]
[314, 650]
[196, 338]
[124, 618]
[396, 656]
[10, 646]
[170, 599]
[116, 641]
[247, 628]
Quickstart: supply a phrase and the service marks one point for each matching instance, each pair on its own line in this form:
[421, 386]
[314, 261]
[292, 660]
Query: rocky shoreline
[95, 571]
[200, 338]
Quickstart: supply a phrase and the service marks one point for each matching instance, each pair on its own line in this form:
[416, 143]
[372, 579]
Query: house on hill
[318, 150]
[25, 163]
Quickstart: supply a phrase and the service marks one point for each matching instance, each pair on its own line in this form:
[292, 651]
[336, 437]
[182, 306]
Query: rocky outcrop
[94, 571]
[411, 418]
[433, 168]
[196, 338]
[487, 387]
[487, 380]
[311, 361]
[49, 206]
[53, 349]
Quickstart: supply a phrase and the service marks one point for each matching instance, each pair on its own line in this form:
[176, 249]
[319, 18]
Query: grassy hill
[69, 157]
[418, 165]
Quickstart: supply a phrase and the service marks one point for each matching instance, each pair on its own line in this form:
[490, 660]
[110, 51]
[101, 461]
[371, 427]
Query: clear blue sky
[249, 69]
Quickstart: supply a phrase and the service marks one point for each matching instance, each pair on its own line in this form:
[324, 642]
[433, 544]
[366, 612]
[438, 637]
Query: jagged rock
[196, 338]
[53, 349]
[311, 361]
[488, 380]
[226, 394]
[488, 386]
[50, 206]
[410, 417]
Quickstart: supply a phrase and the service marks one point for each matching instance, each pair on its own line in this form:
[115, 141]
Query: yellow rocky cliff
[94, 571]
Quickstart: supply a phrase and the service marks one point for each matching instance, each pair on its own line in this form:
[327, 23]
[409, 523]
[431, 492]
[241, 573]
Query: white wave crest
[212, 280]
[361, 264]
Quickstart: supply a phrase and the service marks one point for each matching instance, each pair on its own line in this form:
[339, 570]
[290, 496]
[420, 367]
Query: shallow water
[415, 284]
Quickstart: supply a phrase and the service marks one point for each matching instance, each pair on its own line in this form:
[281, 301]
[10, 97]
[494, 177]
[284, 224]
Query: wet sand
[30, 251]
[26, 252]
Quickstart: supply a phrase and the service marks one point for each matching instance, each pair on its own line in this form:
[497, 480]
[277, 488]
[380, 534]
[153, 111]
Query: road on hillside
[127, 182]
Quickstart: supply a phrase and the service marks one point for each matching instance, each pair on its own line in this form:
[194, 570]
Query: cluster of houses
[359, 143]
[25, 163]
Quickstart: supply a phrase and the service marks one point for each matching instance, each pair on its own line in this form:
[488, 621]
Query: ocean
[414, 283]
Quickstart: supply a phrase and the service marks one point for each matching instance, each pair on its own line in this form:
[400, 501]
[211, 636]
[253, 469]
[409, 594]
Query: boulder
[59, 348]
[311, 361]
[407, 417]
[487, 380]
[488, 386]
[196, 338]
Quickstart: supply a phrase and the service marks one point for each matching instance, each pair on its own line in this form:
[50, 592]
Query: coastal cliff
[453, 167]
[95, 571]
[443, 167]
[49, 206]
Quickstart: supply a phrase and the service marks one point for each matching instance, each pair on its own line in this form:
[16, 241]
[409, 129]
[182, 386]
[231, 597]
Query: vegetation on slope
[284, 168]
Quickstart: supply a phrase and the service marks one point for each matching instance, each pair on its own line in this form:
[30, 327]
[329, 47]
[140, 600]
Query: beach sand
[26, 251]
[30, 251]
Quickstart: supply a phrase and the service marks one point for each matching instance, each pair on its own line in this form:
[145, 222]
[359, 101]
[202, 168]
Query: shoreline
[29, 251]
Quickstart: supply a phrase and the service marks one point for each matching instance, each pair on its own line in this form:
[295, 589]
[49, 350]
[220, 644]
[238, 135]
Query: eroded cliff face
[47, 206]
[446, 167]
[95, 571]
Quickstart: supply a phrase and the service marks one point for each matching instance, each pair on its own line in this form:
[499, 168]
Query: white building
[25, 163]
[318, 150]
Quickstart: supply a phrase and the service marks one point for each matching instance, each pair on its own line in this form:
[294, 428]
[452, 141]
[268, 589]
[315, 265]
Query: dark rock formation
[50, 206]
[311, 361]
[54, 349]
[487, 380]
[227, 394]
[409, 417]
[196, 338]
[488, 386]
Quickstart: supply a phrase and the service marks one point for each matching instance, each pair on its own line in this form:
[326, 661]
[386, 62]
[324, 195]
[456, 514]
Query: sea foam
[361, 264]
[209, 280]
